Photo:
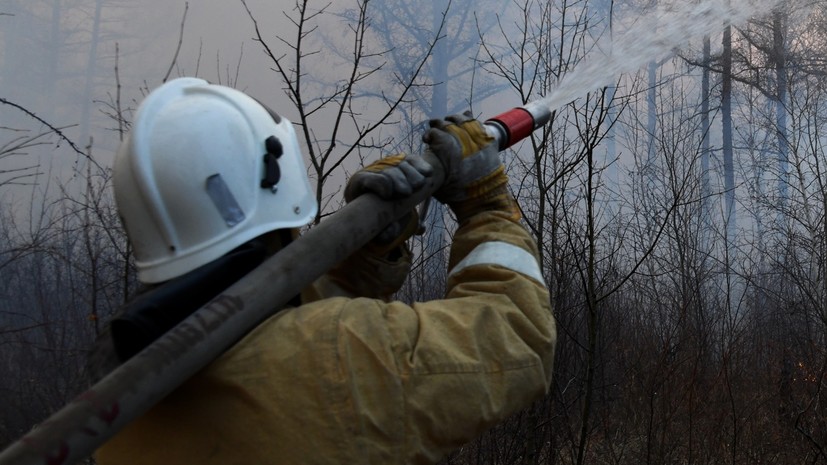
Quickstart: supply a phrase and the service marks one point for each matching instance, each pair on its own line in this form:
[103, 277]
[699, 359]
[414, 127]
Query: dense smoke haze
[680, 210]
[51, 63]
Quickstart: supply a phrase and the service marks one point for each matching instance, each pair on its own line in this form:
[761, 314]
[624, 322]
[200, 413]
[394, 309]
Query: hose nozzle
[517, 124]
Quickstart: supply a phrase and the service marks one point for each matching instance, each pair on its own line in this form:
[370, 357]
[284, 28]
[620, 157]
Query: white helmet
[205, 169]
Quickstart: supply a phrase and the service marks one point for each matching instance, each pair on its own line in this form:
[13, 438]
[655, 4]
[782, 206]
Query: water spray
[627, 52]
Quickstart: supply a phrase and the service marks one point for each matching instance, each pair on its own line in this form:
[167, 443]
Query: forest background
[680, 208]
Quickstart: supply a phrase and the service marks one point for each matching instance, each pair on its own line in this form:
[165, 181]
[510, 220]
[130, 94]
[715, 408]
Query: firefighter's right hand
[391, 178]
[475, 179]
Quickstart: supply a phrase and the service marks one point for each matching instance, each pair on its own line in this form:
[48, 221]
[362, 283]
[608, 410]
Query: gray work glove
[475, 179]
[391, 178]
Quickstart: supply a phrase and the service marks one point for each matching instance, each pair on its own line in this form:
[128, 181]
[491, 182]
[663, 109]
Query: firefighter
[208, 184]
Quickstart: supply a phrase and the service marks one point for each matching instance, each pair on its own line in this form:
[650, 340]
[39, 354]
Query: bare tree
[450, 83]
[336, 104]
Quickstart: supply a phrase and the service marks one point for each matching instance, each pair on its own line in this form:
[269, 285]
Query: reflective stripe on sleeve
[502, 254]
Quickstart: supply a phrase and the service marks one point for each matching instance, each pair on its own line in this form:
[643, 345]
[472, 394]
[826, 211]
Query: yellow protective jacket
[347, 380]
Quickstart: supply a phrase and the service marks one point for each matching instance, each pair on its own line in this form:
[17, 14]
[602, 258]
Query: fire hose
[79, 428]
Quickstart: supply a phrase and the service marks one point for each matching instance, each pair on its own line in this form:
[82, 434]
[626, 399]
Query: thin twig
[180, 42]
[238, 65]
[52, 128]
[118, 110]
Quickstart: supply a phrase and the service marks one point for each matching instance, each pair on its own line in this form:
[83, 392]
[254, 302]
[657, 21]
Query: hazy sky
[50, 80]
[217, 34]
[219, 31]
[44, 68]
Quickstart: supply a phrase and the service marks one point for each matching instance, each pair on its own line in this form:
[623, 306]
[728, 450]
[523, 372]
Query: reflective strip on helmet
[224, 200]
[502, 254]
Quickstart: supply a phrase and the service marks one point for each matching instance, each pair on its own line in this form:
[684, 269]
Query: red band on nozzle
[518, 124]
